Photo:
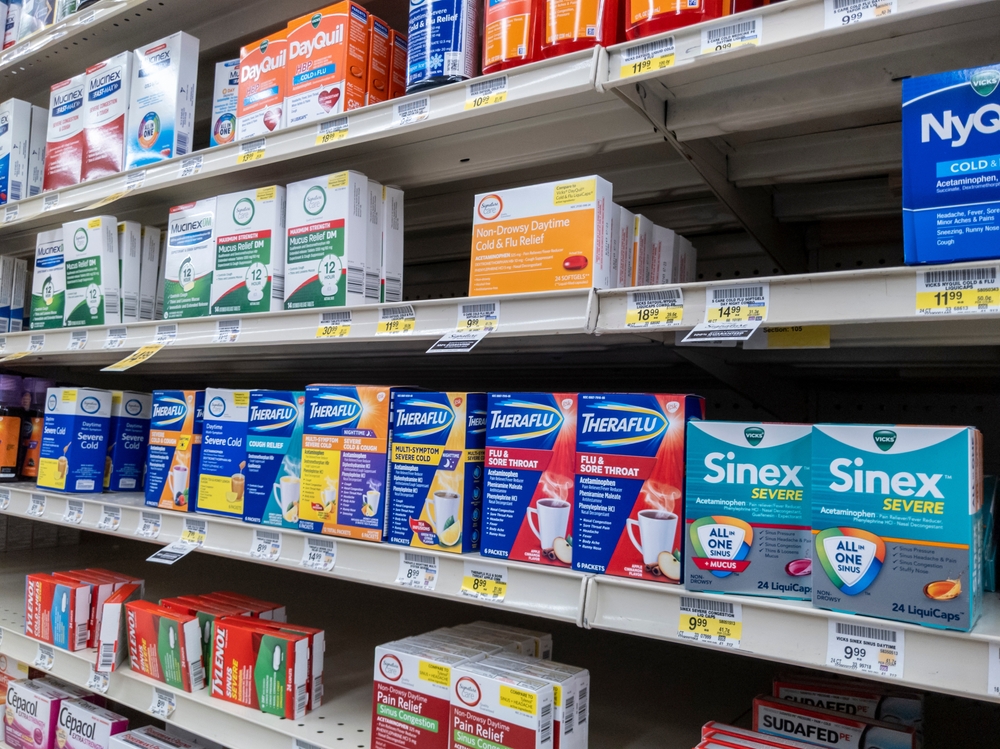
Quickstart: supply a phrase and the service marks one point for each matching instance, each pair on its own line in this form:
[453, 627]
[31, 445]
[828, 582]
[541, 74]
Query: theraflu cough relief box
[57, 611]
[75, 439]
[165, 645]
[260, 101]
[951, 173]
[174, 449]
[64, 143]
[129, 431]
[274, 458]
[896, 525]
[749, 523]
[436, 447]
[528, 485]
[222, 481]
[105, 116]
[629, 490]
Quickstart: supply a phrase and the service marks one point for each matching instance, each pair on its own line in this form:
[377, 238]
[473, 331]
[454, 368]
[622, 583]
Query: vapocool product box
[528, 484]
[951, 173]
[629, 483]
[556, 235]
[15, 132]
[127, 437]
[274, 457]
[260, 107]
[249, 274]
[165, 645]
[175, 431]
[75, 439]
[90, 251]
[105, 116]
[83, 725]
[221, 480]
[391, 274]
[64, 142]
[57, 611]
[48, 283]
[327, 241]
[436, 449]
[828, 728]
[224, 98]
[31, 714]
[748, 517]
[190, 260]
[36, 149]
[896, 522]
[129, 268]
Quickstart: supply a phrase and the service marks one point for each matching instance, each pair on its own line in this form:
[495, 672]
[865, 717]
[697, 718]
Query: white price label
[732, 313]
[45, 657]
[74, 512]
[227, 331]
[115, 338]
[655, 309]
[3, 344]
[418, 571]
[475, 322]
[4, 500]
[165, 334]
[111, 518]
[99, 682]
[319, 554]
[408, 112]
[740, 33]
[149, 525]
[838, 13]
[164, 703]
[77, 340]
[332, 130]
[135, 180]
[50, 201]
[36, 343]
[993, 678]
[191, 166]
[865, 649]
[266, 545]
[958, 291]
[172, 552]
[711, 622]
[36, 507]
[87, 17]
[10, 213]
[300, 744]
[486, 582]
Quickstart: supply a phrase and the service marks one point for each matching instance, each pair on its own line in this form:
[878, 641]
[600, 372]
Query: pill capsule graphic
[276, 661]
[799, 567]
[356, 71]
[575, 262]
[172, 637]
[63, 602]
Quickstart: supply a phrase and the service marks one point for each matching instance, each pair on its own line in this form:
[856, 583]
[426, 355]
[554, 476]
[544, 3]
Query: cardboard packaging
[391, 276]
[101, 588]
[397, 66]
[665, 258]
[175, 431]
[721, 736]
[528, 484]
[17, 295]
[207, 612]
[555, 236]
[92, 274]
[190, 260]
[863, 699]
[148, 269]
[161, 101]
[36, 150]
[165, 645]
[260, 107]
[6, 291]
[106, 115]
[129, 265]
[274, 458]
[688, 262]
[13, 24]
[48, 283]
[224, 100]
[75, 439]
[542, 640]
[913, 494]
[373, 243]
[256, 607]
[127, 438]
[749, 520]
[57, 611]
[149, 737]
[35, 16]
[626, 245]
[83, 725]
[161, 277]
[15, 137]
[221, 481]
[826, 727]
[64, 142]
[112, 645]
[643, 239]
[379, 61]
[32, 713]
[435, 483]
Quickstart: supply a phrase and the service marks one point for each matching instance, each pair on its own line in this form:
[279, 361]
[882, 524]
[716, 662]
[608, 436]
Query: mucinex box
[260, 100]
[391, 273]
[15, 135]
[828, 728]
[83, 725]
[435, 482]
[17, 295]
[327, 229]
[175, 431]
[528, 483]
[895, 516]
[129, 266]
[249, 274]
[544, 237]
[57, 611]
[31, 714]
[224, 98]
[951, 173]
[48, 283]
[105, 116]
[861, 698]
[748, 517]
[90, 252]
[36, 149]
[165, 645]
[629, 489]
[221, 480]
[127, 437]
[190, 260]
[64, 142]
[75, 439]
[161, 100]
[148, 269]
[274, 458]
[373, 251]
[13, 24]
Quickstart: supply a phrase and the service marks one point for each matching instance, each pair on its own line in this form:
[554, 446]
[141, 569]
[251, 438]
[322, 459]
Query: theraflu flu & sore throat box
[175, 431]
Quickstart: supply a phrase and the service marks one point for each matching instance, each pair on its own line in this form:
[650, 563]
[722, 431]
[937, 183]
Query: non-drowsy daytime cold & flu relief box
[175, 431]
[127, 440]
[75, 439]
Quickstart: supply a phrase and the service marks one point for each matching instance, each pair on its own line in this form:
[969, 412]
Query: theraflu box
[344, 447]
[274, 458]
[57, 611]
[528, 484]
[15, 132]
[190, 260]
[64, 143]
[174, 449]
[92, 272]
[48, 283]
[629, 505]
[748, 517]
[127, 438]
[74, 439]
[31, 714]
[224, 102]
[896, 524]
[221, 481]
[105, 115]
[436, 447]
[951, 173]
[165, 645]
[260, 100]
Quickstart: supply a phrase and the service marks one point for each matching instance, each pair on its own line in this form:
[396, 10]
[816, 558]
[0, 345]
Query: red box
[379, 61]
[165, 645]
[57, 611]
[317, 651]
[101, 588]
[397, 66]
[257, 607]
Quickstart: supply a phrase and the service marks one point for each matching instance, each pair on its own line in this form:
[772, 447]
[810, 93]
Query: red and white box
[165, 645]
[57, 611]
[106, 115]
[828, 728]
[64, 142]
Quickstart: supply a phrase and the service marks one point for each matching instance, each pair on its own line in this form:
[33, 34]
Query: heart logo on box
[328, 99]
[272, 117]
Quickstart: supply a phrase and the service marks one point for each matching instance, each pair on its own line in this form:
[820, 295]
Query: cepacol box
[528, 486]
[828, 728]
[57, 611]
[165, 645]
[31, 713]
[492, 706]
[83, 725]
[630, 483]
[260, 667]
[863, 699]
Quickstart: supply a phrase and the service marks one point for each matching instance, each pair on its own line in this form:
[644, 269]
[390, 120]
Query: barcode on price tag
[732, 313]
[50, 201]
[396, 320]
[958, 291]
[865, 649]
[98, 682]
[319, 554]
[484, 93]
[334, 324]
[74, 512]
[655, 309]
[36, 342]
[10, 213]
[227, 331]
[4, 500]
[115, 338]
[149, 525]
[408, 112]
[711, 622]
[165, 334]
[266, 545]
[646, 57]
[36, 507]
[839, 13]
[418, 571]
[191, 166]
[332, 130]
[111, 518]
[252, 150]
[194, 531]
[731, 36]
[487, 582]
[135, 180]
[77, 340]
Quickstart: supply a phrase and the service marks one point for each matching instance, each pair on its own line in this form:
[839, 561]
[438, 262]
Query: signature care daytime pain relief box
[127, 438]
[105, 116]
[749, 522]
[628, 511]
[48, 283]
[31, 714]
[15, 137]
[274, 458]
[175, 431]
[64, 141]
[129, 268]
[391, 274]
[57, 611]
[221, 479]
[75, 439]
[896, 522]
[224, 103]
[544, 237]
[149, 267]
[189, 264]
[90, 252]
[260, 100]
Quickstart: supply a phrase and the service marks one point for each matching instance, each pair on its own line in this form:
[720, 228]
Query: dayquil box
[161, 103]
[528, 485]
[344, 456]
[749, 522]
[260, 101]
[221, 481]
[544, 237]
[57, 611]
[175, 431]
[895, 517]
[327, 241]
[64, 142]
[274, 458]
[48, 283]
[90, 250]
[129, 268]
[391, 274]
[127, 438]
[83, 725]
[828, 728]
[249, 274]
[105, 116]
[31, 715]
[75, 439]
[397, 77]
[435, 486]
[327, 62]
[165, 645]
[190, 260]
[379, 61]
[15, 129]
[224, 102]
[148, 269]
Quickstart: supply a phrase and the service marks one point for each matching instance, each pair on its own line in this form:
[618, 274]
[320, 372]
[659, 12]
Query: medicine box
[92, 272]
[165, 645]
[106, 116]
[263, 78]
[15, 134]
[190, 260]
[129, 268]
[48, 282]
[221, 480]
[175, 431]
[64, 142]
[224, 98]
[127, 440]
[274, 458]
[57, 611]
[75, 439]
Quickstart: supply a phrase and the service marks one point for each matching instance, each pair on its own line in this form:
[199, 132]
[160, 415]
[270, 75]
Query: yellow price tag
[646, 66]
[400, 325]
[323, 138]
[481, 587]
[887, 658]
[481, 94]
[712, 626]
[478, 102]
[640, 318]
[106, 200]
[136, 357]
[193, 536]
[647, 57]
[333, 331]
[252, 151]
[736, 313]
[18, 355]
[960, 300]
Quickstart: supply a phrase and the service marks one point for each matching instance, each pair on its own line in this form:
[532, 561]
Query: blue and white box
[127, 438]
[15, 136]
[222, 481]
[274, 458]
[74, 439]
[227, 84]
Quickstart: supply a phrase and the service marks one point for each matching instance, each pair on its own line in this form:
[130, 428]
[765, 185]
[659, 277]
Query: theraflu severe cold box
[436, 443]
[896, 523]
[74, 439]
[274, 458]
[175, 449]
[629, 513]
[951, 170]
[221, 477]
[528, 485]
[747, 509]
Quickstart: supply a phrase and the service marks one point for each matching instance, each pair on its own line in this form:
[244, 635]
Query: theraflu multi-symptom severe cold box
[175, 449]
[629, 492]
[165, 645]
[951, 173]
[528, 484]
[749, 528]
[75, 439]
[895, 516]
[436, 443]
[274, 458]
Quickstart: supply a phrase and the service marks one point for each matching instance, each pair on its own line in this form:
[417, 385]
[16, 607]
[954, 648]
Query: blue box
[274, 457]
[129, 433]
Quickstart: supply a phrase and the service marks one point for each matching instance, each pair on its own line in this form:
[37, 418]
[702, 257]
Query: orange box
[397, 76]
[544, 237]
[260, 106]
[327, 63]
[379, 61]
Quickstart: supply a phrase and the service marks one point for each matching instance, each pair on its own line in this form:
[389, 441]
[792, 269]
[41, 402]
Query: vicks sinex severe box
[90, 252]
[224, 97]
[127, 437]
[274, 457]
[48, 283]
[74, 439]
[190, 260]
[173, 461]
[221, 479]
